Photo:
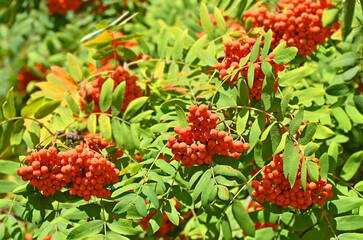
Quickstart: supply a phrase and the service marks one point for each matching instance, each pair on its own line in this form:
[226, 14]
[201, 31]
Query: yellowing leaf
[65, 78]
[102, 37]
[51, 89]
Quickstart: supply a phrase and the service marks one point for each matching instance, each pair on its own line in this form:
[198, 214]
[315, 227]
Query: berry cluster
[198, 142]
[50, 171]
[63, 6]
[92, 93]
[298, 22]
[235, 51]
[115, 43]
[26, 76]
[275, 188]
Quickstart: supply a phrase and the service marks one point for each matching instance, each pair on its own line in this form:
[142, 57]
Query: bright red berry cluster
[235, 51]
[298, 22]
[198, 142]
[275, 188]
[93, 92]
[63, 6]
[115, 44]
[88, 171]
[26, 76]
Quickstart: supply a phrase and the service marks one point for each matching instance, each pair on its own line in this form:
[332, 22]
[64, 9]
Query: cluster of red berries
[235, 51]
[26, 76]
[198, 142]
[63, 6]
[275, 188]
[115, 43]
[298, 22]
[92, 93]
[89, 172]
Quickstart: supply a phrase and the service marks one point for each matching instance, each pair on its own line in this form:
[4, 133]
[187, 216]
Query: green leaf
[205, 20]
[255, 50]
[177, 53]
[342, 118]
[47, 109]
[106, 95]
[311, 148]
[163, 41]
[205, 57]
[135, 136]
[296, 122]
[351, 166]
[346, 204]
[308, 95]
[17, 133]
[291, 160]
[303, 174]
[9, 105]
[7, 186]
[339, 89]
[243, 219]
[105, 126]
[181, 116]
[125, 137]
[349, 223]
[324, 164]
[226, 228]
[358, 101]
[134, 107]
[267, 44]
[172, 213]
[140, 206]
[345, 60]
[313, 171]
[307, 134]
[293, 76]
[359, 186]
[124, 227]
[242, 119]
[251, 75]
[118, 98]
[243, 94]
[102, 24]
[151, 195]
[323, 132]
[8, 167]
[124, 203]
[220, 20]
[201, 184]
[32, 106]
[272, 141]
[350, 236]
[256, 130]
[74, 68]
[248, 24]
[85, 229]
[348, 14]
[155, 223]
[223, 193]
[330, 16]
[285, 55]
[72, 104]
[165, 167]
[92, 123]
